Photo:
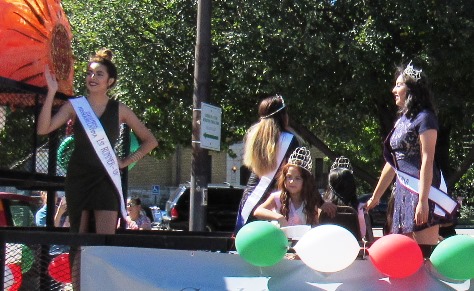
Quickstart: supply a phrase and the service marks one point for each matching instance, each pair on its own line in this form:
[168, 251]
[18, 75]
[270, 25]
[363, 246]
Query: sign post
[202, 79]
[155, 190]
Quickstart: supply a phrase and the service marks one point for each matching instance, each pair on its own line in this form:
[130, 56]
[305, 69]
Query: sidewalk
[465, 231]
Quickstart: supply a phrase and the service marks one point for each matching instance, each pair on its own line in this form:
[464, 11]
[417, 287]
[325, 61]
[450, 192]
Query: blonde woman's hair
[261, 140]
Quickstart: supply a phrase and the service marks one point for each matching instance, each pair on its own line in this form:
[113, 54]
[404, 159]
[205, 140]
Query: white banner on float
[127, 268]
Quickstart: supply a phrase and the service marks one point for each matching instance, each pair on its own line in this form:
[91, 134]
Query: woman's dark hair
[104, 56]
[273, 108]
[419, 95]
[309, 195]
[341, 188]
[136, 200]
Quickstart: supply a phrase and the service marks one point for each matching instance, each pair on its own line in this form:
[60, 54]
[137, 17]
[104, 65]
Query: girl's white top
[296, 216]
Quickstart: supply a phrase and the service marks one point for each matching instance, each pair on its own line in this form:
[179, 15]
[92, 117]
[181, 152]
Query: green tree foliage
[332, 60]
[153, 43]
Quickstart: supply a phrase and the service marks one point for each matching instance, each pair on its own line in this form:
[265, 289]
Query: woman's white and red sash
[444, 203]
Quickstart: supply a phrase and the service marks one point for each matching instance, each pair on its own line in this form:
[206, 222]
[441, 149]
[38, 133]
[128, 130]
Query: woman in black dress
[89, 189]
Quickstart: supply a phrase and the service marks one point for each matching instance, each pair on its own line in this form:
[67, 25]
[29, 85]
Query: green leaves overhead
[331, 60]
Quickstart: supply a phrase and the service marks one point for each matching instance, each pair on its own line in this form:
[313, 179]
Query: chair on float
[347, 217]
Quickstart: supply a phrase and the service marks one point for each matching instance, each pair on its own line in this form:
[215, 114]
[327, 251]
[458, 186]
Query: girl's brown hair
[309, 194]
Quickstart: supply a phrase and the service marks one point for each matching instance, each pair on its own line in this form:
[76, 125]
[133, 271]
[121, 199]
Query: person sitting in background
[136, 218]
[61, 218]
[297, 201]
[40, 216]
[341, 189]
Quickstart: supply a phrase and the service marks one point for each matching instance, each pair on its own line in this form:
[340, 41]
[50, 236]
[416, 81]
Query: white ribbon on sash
[256, 195]
[444, 203]
[100, 142]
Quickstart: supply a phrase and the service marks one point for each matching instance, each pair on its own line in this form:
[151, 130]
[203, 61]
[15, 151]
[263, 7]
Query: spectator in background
[137, 219]
[40, 216]
[61, 218]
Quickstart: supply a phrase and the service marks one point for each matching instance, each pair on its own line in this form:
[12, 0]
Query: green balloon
[134, 145]
[27, 259]
[261, 243]
[65, 150]
[453, 257]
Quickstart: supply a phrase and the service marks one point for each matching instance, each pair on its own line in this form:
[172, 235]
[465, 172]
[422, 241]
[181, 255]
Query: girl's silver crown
[342, 162]
[301, 157]
[412, 72]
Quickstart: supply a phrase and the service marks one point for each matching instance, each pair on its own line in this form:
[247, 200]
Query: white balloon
[13, 253]
[328, 248]
[8, 278]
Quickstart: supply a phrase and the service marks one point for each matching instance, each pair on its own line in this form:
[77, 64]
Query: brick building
[153, 179]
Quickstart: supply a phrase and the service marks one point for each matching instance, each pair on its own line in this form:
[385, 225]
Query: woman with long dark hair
[410, 156]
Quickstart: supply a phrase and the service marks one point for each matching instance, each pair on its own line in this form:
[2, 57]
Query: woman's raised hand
[50, 80]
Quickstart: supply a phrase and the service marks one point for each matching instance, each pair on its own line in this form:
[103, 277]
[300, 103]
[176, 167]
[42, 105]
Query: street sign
[210, 136]
[155, 189]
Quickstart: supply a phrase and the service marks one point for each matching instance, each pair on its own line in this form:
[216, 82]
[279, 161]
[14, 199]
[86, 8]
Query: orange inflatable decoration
[35, 33]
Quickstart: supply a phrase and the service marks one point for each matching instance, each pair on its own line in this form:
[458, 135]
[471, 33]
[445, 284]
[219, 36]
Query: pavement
[378, 232]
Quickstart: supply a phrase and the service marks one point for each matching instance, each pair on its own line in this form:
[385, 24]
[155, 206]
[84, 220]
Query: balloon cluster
[16, 265]
[331, 248]
[21, 259]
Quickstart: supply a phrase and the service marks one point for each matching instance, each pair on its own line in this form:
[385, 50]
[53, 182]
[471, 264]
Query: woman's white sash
[444, 203]
[256, 195]
[100, 142]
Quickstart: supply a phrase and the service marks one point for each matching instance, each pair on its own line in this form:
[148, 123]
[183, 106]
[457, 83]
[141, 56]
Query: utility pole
[202, 79]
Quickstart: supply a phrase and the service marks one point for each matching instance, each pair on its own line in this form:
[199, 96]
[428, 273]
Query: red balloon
[396, 255]
[59, 269]
[17, 277]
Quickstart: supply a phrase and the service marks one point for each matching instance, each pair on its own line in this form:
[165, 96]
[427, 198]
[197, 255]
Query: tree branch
[320, 145]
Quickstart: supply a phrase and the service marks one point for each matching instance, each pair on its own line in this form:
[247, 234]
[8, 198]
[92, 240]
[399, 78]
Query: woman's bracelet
[135, 157]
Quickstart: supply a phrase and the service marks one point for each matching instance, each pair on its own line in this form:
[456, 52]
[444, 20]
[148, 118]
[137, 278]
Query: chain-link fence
[22, 152]
[36, 267]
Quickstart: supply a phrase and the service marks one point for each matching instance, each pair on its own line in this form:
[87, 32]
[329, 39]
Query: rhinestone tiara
[278, 110]
[301, 157]
[342, 162]
[412, 72]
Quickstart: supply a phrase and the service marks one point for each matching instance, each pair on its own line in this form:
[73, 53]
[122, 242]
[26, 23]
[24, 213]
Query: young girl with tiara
[297, 201]
[342, 191]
